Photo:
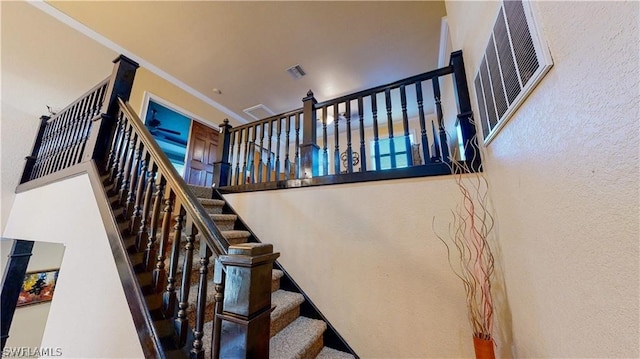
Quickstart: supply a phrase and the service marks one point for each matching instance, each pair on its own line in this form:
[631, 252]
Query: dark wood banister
[208, 230]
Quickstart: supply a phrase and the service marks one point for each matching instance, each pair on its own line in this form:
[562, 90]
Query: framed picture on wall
[38, 287]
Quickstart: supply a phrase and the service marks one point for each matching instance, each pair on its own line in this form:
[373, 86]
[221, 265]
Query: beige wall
[367, 256]
[564, 173]
[83, 321]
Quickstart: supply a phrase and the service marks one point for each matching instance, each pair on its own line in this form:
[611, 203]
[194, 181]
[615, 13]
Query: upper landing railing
[396, 130]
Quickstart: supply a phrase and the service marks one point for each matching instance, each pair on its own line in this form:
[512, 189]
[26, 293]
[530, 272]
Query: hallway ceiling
[244, 48]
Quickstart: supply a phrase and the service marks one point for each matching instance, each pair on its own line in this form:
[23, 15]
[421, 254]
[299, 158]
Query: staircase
[292, 335]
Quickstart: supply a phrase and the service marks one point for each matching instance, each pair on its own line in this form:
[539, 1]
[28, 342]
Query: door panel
[203, 149]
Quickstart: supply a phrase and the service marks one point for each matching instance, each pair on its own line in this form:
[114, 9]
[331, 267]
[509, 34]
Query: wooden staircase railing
[341, 140]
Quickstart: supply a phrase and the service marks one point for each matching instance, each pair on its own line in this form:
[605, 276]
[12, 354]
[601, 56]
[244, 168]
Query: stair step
[276, 274]
[225, 222]
[201, 192]
[236, 237]
[287, 309]
[213, 206]
[301, 339]
[330, 353]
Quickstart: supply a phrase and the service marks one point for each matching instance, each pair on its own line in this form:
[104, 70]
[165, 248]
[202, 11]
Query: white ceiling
[244, 48]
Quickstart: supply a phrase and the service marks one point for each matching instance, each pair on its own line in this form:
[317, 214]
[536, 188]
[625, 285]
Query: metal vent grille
[513, 63]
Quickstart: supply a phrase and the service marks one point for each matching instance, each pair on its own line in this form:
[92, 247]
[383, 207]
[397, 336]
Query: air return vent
[259, 111]
[296, 71]
[514, 61]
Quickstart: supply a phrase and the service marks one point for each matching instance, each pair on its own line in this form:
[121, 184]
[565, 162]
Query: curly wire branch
[469, 230]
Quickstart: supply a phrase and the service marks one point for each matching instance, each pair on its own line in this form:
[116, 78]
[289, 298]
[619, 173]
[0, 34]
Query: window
[391, 155]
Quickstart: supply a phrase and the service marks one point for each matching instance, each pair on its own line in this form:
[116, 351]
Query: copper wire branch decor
[468, 250]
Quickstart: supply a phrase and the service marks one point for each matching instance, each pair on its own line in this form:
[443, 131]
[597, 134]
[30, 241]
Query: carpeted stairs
[292, 335]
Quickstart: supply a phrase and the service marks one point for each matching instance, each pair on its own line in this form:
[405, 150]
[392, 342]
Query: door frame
[149, 96]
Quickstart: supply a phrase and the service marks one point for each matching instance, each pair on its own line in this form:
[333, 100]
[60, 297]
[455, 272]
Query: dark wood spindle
[269, 163]
[136, 213]
[441, 131]
[159, 270]
[325, 157]
[32, 163]
[297, 163]
[336, 135]
[405, 125]
[376, 138]
[170, 297]
[238, 153]
[247, 156]
[150, 252]
[278, 132]
[347, 115]
[130, 156]
[423, 125]
[392, 145]
[143, 227]
[122, 160]
[363, 152]
[182, 321]
[251, 154]
[197, 352]
[116, 146]
[259, 150]
[133, 180]
[287, 159]
[70, 134]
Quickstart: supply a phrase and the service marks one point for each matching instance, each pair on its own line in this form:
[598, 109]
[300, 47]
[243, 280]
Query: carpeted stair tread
[212, 205]
[276, 274]
[201, 192]
[236, 237]
[299, 340]
[287, 309]
[330, 353]
[224, 222]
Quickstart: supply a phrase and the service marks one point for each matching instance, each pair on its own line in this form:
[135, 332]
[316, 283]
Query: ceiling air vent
[514, 62]
[259, 112]
[296, 71]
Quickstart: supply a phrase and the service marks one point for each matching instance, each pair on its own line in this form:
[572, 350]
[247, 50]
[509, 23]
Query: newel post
[465, 114]
[246, 315]
[120, 85]
[222, 167]
[309, 148]
[12, 279]
[31, 159]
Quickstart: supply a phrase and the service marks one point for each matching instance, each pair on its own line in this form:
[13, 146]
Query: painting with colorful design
[38, 287]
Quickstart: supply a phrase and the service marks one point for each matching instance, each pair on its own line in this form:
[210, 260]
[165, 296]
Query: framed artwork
[38, 287]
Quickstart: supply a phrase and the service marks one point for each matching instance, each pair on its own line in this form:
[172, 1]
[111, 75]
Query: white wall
[367, 256]
[89, 315]
[564, 173]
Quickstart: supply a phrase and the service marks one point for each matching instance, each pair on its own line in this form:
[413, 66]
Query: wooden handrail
[209, 231]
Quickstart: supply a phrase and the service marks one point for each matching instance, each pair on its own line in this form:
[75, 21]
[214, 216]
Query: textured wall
[367, 256]
[564, 173]
[83, 321]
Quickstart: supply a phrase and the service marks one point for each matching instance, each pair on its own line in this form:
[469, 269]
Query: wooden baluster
[287, 160]
[85, 129]
[297, 164]
[122, 159]
[32, 163]
[170, 298]
[116, 148]
[325, 152]
[126, 170]
[336, 134]
[278, 132]
[133, 180]
[392, 145]
[71, 134]
[198, 351]
[182, 321]
[247, 156]
[423, 126]
[136, 214]
[436, 144]
[151, 253]
[56, 146]
[239, 134]
[405, 125]
[159, 271]
[363, 152]
[349, 150]
[269, 163]
[259, 150]
[47, 143]
[218, 298]
[233, 136]
[376, 138]
[444, 145]
[251, 154]
[51, 146]
[143, 227]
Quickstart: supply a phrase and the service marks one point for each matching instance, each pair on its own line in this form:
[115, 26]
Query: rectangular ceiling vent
[258, 112]
[514, 62]
[296, 71]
